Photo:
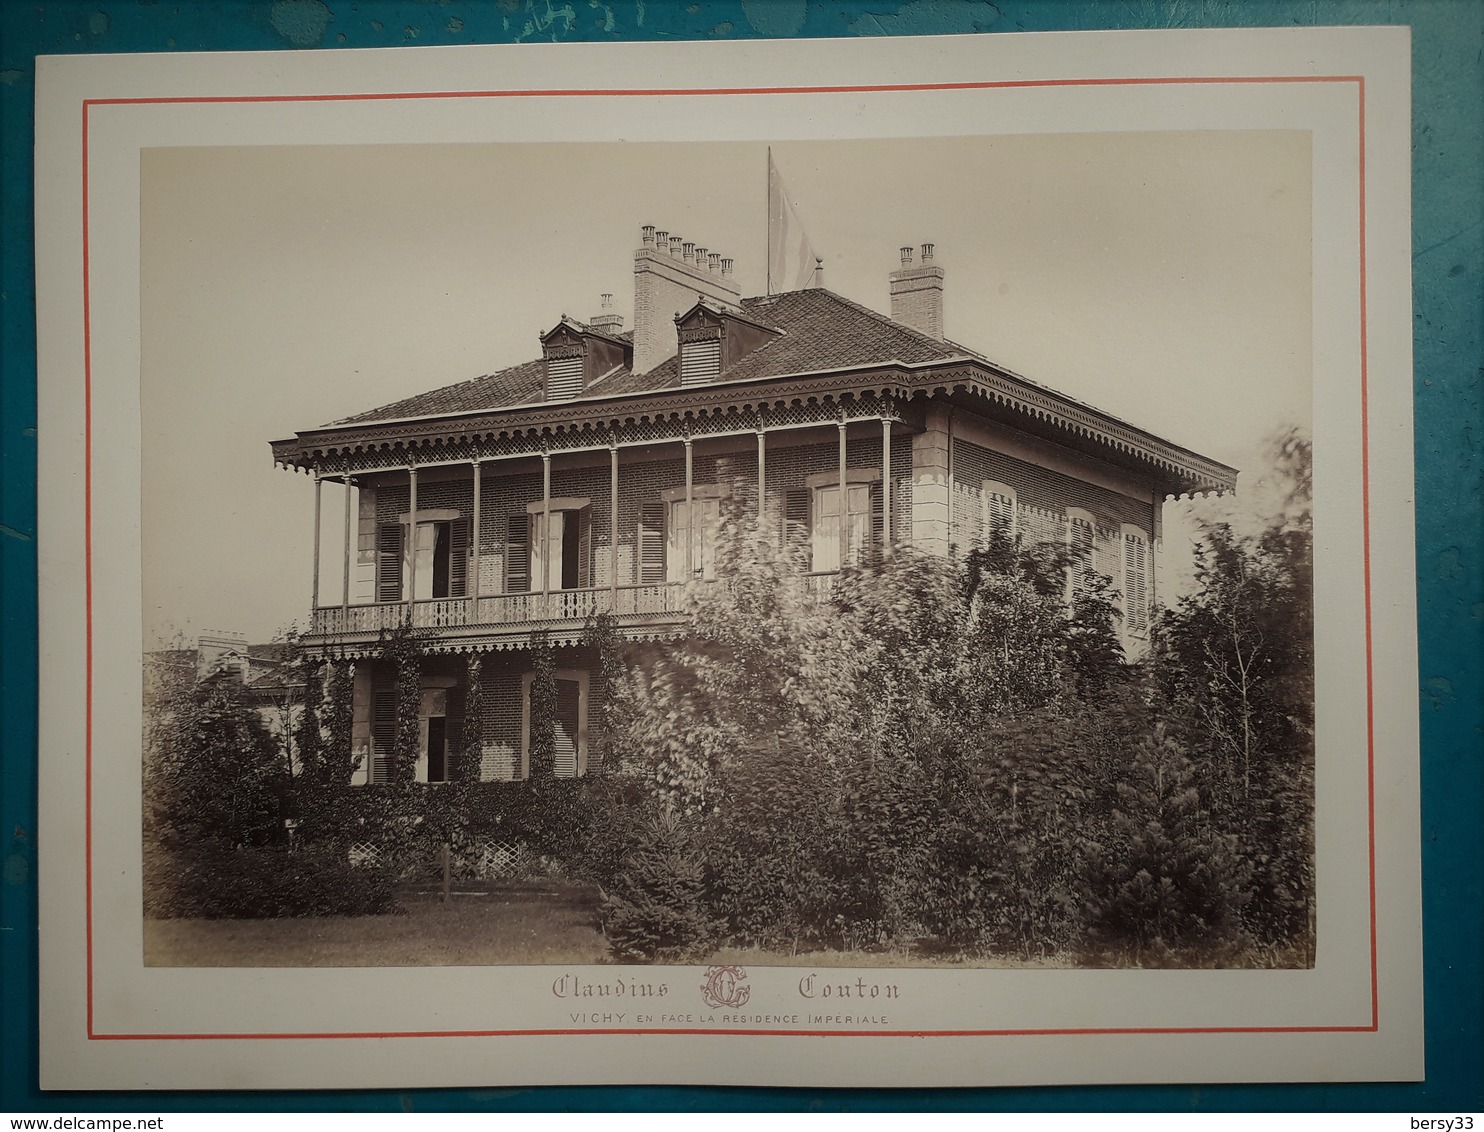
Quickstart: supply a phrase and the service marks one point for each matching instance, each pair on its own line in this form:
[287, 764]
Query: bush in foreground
[235, 884]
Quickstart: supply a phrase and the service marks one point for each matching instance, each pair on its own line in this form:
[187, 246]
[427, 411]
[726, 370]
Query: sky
[1162, 277]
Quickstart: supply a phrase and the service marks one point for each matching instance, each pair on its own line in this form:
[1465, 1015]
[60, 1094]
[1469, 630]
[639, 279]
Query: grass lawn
[486, 927]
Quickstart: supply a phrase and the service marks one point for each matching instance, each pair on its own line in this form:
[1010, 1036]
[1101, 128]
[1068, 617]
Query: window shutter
[563, 378]
[795, 514]
[458, 558]
[454, 711]
[1135, 583]
[518, 554]
[389, 562]
[1000, 513]
[878, 522]
[700, 361]
[1082, 566]
[568, 702]
[383, 728]
[652, 543]
[584, 521]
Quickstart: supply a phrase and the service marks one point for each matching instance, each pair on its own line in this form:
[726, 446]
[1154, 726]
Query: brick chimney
[607, 320]
[917, 294]
[669, 276]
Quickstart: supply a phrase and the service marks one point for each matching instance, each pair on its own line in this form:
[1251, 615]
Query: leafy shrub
[224, 884]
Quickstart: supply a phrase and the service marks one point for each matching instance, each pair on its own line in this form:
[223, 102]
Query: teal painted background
[1448, 226]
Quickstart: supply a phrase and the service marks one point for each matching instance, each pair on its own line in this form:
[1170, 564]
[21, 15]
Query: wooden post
[411, 547]
[762, 474]
[446, 873]
[472, 592]
[690, 517]
[885, 488]
[345, 563]
[844, 527]
[546, 534]
[319, 484]
[613, 527]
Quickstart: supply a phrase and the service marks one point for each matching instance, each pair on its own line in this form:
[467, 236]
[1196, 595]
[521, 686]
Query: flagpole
[768, 229]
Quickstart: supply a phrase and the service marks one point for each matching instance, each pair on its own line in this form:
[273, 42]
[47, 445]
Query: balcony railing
[521, 609]
[502, 609]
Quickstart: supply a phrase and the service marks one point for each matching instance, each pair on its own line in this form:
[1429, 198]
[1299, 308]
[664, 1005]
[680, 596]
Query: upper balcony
[507, 620]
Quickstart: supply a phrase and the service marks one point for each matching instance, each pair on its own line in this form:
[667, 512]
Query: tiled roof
[820, 331]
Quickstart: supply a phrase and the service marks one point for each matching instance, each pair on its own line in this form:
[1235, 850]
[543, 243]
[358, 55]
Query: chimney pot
[713, 261]
[700, 256]
[726, 268]
[927, 253]
[607, 300]
[675, 243]
[688, 250]
[906, 257]
[662, 241]
[648, 231]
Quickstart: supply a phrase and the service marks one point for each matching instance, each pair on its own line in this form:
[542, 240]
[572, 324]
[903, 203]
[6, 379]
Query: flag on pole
[791, 259]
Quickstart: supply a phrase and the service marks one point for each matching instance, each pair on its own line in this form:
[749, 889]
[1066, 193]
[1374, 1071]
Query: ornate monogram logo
[725, 988]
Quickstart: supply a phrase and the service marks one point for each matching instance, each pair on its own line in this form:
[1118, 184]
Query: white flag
[791, 258]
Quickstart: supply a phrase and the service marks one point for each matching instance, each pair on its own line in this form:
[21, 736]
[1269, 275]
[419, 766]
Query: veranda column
[411, 547]
[885, 488]
[613, 527]
[473, 590]
[345, 561]
[762, 474]
[319, 484]
[546, 534]
[844, 527]
[690, 518]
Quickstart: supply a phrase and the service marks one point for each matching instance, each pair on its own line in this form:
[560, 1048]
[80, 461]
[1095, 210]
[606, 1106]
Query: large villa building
[592, 478]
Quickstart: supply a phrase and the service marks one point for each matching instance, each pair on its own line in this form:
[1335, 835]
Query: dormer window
[713, 340]
[576, 356]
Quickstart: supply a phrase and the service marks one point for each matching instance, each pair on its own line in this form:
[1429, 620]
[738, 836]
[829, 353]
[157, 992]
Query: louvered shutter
[568, 704]
[563, 378]
[878, 522]
[584, 521]
[389, 562]
[700, 361]
[1082, 565]
[383, 728]
[1135, 583]
[1000, 512]
[518, 554]
[652, 543]
[454, 711]
[458, 558]
[795, 514]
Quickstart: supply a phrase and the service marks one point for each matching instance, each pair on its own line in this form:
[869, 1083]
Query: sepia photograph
[838, 553]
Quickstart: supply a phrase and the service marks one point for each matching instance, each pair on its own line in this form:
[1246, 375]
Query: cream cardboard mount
[214, 245]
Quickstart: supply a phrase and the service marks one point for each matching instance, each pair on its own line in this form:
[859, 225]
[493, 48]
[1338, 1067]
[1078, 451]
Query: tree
[1235, 660]
[213, 774]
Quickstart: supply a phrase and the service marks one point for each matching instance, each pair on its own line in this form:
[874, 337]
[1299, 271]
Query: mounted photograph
[884, 553]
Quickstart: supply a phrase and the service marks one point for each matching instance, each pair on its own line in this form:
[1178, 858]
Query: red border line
[87, 495]
[1358, 80]
[657, 92]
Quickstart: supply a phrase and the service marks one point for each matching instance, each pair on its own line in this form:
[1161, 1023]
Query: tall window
[690, 543]
[825, 538]
[549, 550]
[434, 559]
[569, 756]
